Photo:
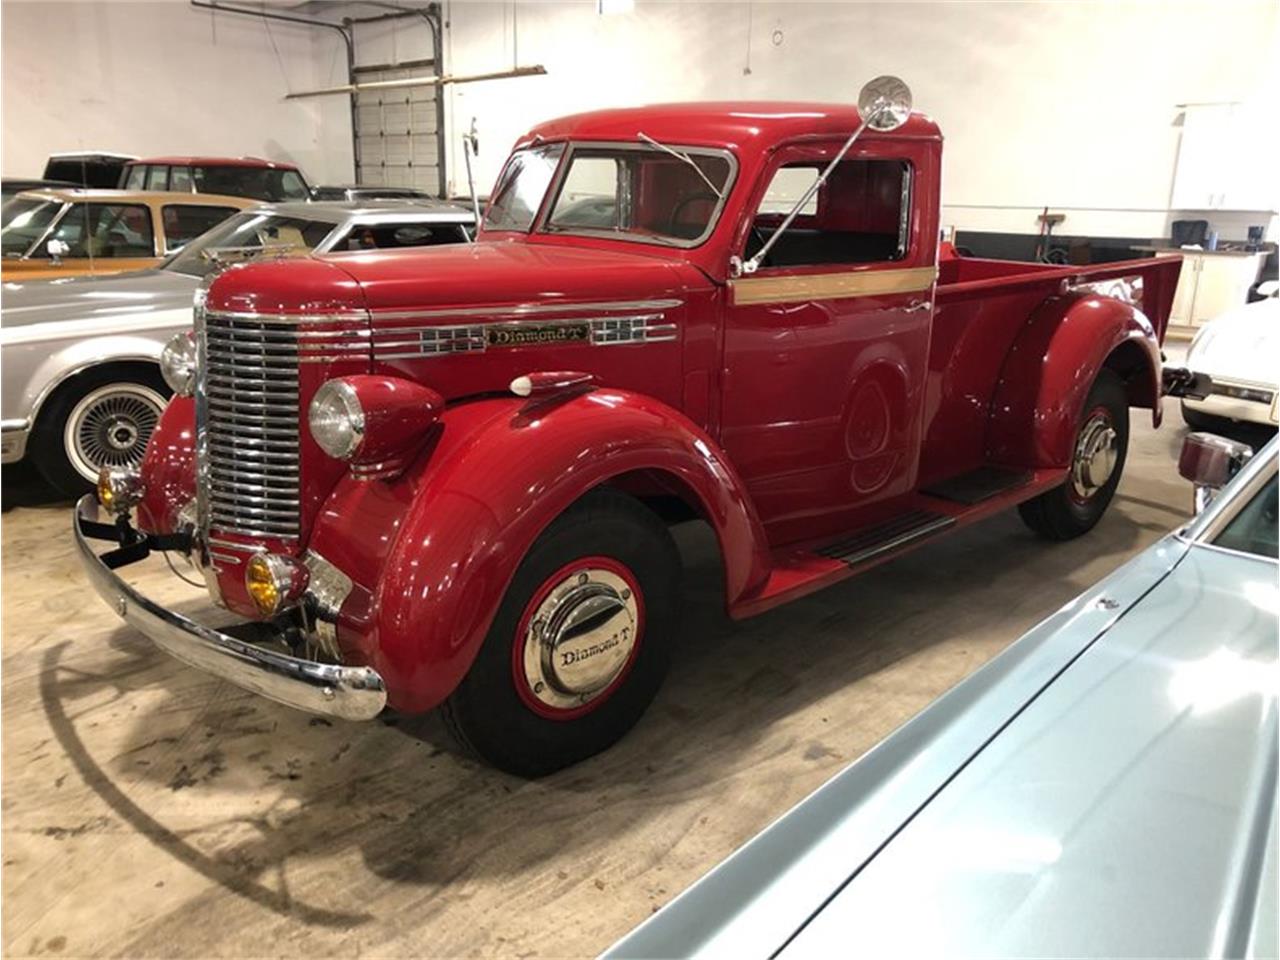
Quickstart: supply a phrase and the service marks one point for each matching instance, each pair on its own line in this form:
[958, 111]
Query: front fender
[169, 467]
[491, 479]
[1047, 374]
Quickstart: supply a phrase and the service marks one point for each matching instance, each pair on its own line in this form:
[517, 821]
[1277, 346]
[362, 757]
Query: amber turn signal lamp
[119, 489]
[274, 582]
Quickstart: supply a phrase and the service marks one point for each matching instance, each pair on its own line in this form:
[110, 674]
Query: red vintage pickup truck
[443, 478]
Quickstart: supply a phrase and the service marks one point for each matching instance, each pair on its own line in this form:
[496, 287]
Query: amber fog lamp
[373, 422]
[119, 489]
[275, 583]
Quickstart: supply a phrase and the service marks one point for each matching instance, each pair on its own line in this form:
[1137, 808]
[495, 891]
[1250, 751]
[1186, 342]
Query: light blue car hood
[1078, 796]
[1107, 819]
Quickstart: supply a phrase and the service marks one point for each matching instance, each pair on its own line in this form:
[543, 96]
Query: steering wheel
[679, 208]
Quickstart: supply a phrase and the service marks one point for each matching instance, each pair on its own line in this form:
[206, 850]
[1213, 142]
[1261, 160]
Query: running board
[887, 536]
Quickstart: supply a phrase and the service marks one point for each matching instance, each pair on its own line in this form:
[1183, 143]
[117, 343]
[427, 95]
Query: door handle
[915, 306]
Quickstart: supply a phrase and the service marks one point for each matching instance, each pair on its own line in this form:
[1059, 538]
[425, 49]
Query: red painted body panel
[437, 547]
[1048, 372]
[786, 424]
[168, 467]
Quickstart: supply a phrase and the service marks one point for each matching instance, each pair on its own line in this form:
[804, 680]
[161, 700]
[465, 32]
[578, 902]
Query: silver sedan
[81, 386]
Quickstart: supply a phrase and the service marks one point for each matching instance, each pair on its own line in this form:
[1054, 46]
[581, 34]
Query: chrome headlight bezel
[337, 420]
[178, 364]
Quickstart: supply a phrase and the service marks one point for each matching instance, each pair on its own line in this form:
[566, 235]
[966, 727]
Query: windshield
[24, 221]
[244, 237]
[521, 187]
[649, 192]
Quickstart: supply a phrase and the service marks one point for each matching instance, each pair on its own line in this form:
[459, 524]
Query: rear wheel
[580, 643]
[1097, 461]
[102, 418]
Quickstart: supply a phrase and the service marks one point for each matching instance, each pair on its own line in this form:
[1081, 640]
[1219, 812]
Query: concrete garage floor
[150, 811]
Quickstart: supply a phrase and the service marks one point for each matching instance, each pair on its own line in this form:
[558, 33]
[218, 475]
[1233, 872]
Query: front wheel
[102, 418]
[1097, 460]
[580, 643]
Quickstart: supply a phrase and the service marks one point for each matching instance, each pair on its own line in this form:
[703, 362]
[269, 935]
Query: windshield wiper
[683, 158]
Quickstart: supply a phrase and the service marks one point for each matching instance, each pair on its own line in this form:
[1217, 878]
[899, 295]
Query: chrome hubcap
[1095, 456]
[110, 427]
[580, 638]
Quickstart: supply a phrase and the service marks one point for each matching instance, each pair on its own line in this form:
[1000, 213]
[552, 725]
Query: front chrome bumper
[350, 693]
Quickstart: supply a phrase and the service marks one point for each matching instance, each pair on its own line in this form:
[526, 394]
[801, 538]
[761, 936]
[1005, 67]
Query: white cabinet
[1211, 284]
[1224, 160]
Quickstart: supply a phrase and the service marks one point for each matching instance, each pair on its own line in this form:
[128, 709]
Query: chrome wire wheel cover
[110, 427]
[1094, 458]
[579, 636]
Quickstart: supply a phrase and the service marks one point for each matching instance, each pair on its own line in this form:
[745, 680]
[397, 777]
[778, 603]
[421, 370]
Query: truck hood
[504, 273]
[109, 300]
[1243, 344]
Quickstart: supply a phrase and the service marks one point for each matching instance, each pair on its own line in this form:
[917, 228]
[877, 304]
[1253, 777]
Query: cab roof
[721, 124]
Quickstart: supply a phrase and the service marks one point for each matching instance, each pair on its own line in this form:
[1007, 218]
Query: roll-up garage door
[397, 135]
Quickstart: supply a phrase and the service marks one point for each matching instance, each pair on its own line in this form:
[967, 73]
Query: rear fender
[493, 477]
[1054, 361]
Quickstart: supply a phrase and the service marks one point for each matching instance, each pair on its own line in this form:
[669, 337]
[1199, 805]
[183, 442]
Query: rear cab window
[390, 236]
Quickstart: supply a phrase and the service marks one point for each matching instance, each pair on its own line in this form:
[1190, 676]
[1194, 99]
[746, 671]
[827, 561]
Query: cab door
[826, 344]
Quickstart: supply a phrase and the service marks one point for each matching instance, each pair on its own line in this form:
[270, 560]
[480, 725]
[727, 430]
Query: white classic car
[81, 377]
[1240, 350]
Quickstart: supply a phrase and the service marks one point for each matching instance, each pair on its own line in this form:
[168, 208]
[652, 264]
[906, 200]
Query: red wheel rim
[537, 681]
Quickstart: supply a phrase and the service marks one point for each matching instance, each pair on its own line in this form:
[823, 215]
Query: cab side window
[184, 222]
[107, 230]
[860, 215]
[158, 178]
[136, 178]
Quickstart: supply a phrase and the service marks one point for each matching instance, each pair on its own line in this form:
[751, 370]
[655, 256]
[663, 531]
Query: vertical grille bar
[249, 388]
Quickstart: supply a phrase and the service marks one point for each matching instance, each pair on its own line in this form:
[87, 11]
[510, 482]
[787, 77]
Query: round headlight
[337, 419]
[178, 364]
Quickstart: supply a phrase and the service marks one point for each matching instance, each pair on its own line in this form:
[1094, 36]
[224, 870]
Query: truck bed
[966, 278]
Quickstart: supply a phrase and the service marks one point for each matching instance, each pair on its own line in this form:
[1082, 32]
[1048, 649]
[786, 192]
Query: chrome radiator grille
[249, 373]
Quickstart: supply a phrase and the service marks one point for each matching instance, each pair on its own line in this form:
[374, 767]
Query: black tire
[1061, 513]
[49, 449]
[1197, 420]
[492, 718]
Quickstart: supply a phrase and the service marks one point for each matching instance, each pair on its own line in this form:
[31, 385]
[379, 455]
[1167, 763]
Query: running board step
[887, 536]
[978, 485]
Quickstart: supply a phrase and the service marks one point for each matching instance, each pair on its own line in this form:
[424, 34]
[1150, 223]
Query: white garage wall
[1068, 104]
[163, 78]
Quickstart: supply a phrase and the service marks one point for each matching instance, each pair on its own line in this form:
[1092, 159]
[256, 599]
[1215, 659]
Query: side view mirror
[57, 249]
[1209, 462]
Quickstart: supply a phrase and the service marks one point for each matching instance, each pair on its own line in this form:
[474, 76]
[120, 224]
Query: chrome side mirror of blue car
[1210, 461]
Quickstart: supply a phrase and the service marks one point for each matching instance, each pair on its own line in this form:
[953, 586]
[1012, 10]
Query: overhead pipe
[537, 70]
